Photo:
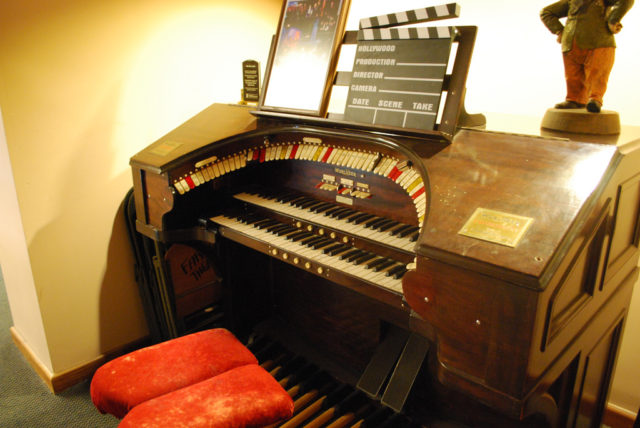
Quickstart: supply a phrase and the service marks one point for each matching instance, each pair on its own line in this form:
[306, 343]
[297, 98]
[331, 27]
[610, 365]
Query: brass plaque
[165, 147]
[497, 227]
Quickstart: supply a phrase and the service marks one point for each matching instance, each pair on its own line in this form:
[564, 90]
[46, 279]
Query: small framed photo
[302, 63]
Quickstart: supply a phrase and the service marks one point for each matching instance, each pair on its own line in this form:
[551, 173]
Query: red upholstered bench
[246, 396]
[205, 379]
[123, 383]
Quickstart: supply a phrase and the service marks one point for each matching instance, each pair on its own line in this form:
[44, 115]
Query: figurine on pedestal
[588, 46]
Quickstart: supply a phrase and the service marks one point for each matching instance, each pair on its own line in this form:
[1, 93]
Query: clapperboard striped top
[412, 33]
[432, 13]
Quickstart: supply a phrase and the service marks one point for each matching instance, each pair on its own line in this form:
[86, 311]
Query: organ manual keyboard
[394, 277]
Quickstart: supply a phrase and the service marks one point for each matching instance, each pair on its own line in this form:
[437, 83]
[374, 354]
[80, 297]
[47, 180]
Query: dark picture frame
[302, 61]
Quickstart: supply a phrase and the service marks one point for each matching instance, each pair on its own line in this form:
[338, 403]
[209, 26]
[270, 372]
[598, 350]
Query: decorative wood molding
[618, 417]
[58, 382]
[37, 365]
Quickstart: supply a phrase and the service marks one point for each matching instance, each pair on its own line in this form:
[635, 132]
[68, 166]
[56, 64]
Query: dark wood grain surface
[548, 180]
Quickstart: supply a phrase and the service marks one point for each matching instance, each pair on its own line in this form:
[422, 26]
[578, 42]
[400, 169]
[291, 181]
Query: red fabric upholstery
[127, 381]
[246, 396]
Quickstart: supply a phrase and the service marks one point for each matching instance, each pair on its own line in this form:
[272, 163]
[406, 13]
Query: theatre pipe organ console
[356, 245]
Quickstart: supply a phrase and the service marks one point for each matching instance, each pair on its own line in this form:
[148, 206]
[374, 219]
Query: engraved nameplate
[495, 226]
[165, 147]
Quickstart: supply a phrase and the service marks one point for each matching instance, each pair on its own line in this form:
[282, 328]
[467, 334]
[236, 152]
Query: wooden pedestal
[581, 121]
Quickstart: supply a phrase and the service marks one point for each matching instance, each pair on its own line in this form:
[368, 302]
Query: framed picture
[302, 61]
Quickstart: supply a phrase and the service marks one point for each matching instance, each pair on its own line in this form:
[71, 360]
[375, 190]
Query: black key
[330, 247]
[364, 218]
[331, 211]
[287, 236]
[414, 237]
[344, 256]
[338, 212]
[332, 250]
[383, 265]
[357, 253]
[300, 201]
[275, 226]
[322, 207]
[363, 258]
[297, 236]
[260, 221]
[386, 225]
[375, 224]
[399, 229]
[409, 231]
[400, 273]
[314, 205]
[271, 196]
[312, 242]
[374, 220]
[258, 194]
[308, 204]
[285, 227]
[265, 224]
[323, 242]
[395, 269]
[354, 219]
[347, 213]
[282, 191]
[306, 235]
[374, 263]
[297, 201]
[289, 197]
[352, 216]
[249, 218]
[286, 231]
[309, 239]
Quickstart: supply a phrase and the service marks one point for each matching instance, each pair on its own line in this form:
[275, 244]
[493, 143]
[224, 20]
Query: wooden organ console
[345, 246]
[396, 278]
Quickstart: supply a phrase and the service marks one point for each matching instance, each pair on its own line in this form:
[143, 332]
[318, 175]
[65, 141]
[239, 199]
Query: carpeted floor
[26, 402]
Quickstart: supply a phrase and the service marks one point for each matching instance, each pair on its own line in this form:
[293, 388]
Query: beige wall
[84, 84]
[517, 65]
[16, 268]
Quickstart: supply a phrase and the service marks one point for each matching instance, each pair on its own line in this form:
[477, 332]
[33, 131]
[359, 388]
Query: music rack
[454, 84]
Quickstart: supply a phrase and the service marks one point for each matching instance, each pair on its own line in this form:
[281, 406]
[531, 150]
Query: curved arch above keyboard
[400, 171]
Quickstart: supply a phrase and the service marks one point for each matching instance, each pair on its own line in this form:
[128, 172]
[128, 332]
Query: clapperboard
[398, 73]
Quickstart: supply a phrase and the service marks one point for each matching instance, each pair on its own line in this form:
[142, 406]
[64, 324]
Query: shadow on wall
[118, 286]
[83, 269]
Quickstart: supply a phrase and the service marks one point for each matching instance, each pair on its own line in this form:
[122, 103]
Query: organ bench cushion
[121, 384]
[246, 396]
